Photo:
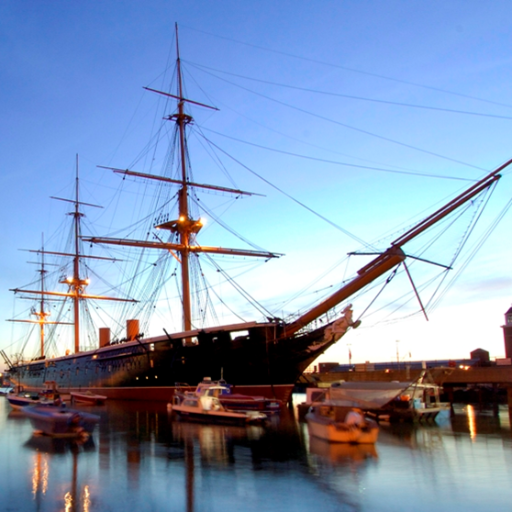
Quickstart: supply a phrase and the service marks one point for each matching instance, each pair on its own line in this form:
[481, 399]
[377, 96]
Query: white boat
[368, 394]
[332, 422]
[235, 401]
[59, 421]
[209, 409]
[416, 400]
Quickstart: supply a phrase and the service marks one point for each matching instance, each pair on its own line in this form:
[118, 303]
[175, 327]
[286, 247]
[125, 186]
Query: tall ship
[261, 357]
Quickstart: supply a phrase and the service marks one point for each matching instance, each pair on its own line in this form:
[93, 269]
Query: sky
[353, 120]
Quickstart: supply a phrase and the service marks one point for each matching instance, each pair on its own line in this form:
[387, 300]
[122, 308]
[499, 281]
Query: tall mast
[77, 284]
[42, 314]
[185, 226]
[182, 119]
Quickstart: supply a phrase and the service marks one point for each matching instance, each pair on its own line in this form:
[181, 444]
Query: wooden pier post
[509, 396]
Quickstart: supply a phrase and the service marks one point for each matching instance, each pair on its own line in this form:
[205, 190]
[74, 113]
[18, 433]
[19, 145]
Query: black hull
[253, 358]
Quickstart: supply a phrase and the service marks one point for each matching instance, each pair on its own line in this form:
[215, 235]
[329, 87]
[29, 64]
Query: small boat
[416, 401]
[236, 401]
[87, 397]
[341, 424]
[59, 421]
[22, 399]
[209, 409]
[370, 394]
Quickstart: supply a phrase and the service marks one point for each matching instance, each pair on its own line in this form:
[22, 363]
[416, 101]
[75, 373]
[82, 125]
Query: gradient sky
[292, 78]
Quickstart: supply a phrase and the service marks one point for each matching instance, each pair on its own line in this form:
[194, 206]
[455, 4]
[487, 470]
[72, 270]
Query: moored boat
[209, 409]
[235, 401]
[87, 397]
[337, 423]
[20, 399]
[60, 421]
[417, 400]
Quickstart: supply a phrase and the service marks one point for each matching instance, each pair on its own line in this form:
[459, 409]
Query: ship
[263, 357]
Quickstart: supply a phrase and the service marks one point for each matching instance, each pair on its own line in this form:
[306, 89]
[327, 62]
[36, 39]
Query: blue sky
[292, 78]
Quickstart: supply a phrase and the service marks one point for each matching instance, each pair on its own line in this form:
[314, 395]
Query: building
[507, 333]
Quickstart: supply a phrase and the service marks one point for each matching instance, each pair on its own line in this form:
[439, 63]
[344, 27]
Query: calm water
[140, 460]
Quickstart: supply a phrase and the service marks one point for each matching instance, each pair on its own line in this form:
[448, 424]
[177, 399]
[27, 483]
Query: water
[140, 460]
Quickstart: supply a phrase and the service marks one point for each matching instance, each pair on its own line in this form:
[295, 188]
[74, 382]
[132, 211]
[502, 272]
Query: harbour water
[139, 459]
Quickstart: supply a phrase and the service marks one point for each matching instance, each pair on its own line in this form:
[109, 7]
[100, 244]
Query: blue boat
[60, 421]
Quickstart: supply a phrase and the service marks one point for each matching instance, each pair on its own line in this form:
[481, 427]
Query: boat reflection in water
[140, 459]
[215, 443]
[341, 453]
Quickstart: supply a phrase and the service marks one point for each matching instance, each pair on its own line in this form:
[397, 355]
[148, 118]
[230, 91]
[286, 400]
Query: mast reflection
[200, 447]
[45, 448]
[39, 478]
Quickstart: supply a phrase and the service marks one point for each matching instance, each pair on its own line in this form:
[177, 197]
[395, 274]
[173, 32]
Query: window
[239, 334]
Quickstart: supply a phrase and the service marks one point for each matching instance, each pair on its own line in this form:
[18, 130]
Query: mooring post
[449, 393]
[509, 396]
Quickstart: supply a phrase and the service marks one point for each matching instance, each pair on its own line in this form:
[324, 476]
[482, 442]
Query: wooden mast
[75, 283]
[181, 120]
[185, 225]
[78, 284]
[42, 314]
[393, 256]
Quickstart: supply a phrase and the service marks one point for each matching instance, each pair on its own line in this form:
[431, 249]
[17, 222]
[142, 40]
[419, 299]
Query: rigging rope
[346, 232]
[353, 128]
[349, 96]
[261, 309]
[346, 68]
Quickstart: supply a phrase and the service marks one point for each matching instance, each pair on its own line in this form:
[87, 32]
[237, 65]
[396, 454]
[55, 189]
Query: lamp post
[349, 354]
[397, 355]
